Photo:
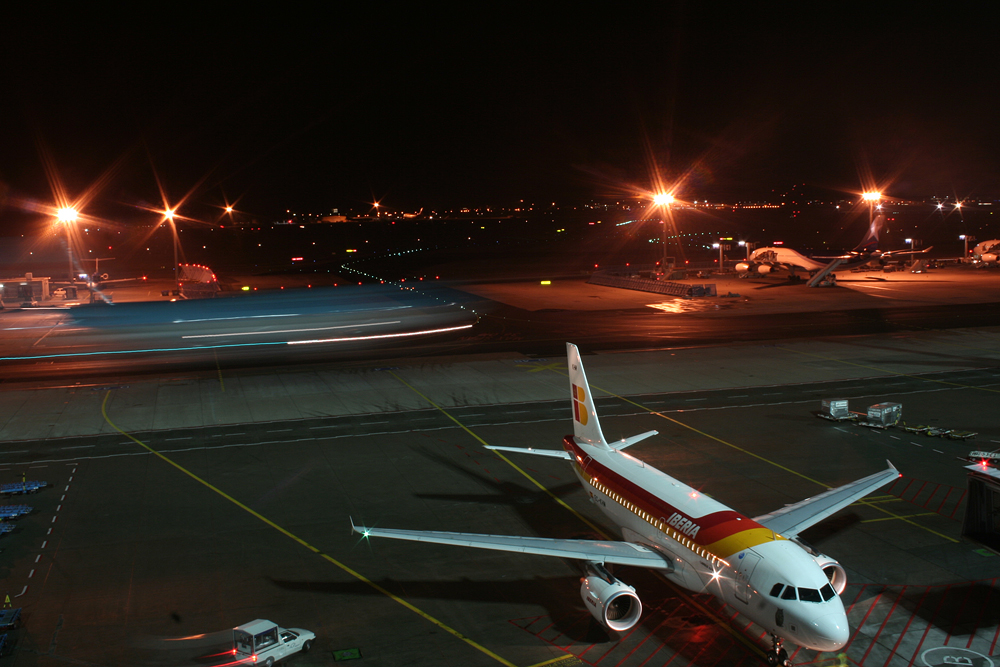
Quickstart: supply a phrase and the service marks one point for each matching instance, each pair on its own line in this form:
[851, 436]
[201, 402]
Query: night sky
[491, 104]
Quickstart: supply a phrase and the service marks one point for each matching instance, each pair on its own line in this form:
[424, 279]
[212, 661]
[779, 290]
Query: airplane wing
[791, 520]
[618, 553]
[554, 453]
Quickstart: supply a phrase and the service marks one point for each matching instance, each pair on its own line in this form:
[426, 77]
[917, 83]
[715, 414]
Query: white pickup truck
[263, 642]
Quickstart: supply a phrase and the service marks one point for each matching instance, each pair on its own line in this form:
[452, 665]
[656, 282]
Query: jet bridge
[982, 509]
[820, 278]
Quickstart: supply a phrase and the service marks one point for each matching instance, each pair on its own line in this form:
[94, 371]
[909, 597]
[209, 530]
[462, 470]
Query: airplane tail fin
[870, 242]
[586, 425]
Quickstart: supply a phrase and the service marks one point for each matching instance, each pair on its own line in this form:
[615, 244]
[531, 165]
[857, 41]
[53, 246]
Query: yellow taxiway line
[357, 575]
[679, 591]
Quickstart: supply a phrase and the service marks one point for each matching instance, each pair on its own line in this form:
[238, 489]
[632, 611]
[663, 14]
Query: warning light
[546, 282]
[245, 288]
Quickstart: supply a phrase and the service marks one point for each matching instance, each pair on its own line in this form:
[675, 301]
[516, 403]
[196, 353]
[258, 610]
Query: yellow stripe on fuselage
[745, 539]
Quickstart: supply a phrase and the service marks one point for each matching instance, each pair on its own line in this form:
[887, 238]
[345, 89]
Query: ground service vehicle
[263, 642]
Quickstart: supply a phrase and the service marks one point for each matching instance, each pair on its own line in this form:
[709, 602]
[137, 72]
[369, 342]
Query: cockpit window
[809, 595]
[827, 592]
[789, 593]
[776, 589]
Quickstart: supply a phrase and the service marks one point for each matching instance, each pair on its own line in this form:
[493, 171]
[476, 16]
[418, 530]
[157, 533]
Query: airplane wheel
[308, 645]
[269, 662]
[783, 659]
[772, 658]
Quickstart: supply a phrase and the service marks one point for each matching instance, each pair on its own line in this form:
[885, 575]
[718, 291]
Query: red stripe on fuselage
[712, 527]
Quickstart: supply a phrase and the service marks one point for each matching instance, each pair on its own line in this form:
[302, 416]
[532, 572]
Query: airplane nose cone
[830, 632]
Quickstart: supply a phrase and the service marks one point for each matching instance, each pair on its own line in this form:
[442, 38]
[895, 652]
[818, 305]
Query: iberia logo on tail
[579, 405]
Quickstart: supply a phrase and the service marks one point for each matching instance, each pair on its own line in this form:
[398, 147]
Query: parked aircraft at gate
[770, 259]
[987, 252]
[755, 565]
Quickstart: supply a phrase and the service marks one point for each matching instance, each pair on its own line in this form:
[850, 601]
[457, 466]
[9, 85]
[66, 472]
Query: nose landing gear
[777, 655]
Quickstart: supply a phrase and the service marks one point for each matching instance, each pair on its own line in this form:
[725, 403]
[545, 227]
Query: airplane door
[748, 562]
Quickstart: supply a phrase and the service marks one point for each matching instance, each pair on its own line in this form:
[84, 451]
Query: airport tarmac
[182, 505]
[138, 558]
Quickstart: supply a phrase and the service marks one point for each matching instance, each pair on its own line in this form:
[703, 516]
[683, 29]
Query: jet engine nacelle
[743, 267]
[833, 570]
[989, 257]
[610, 601]
[764, 269]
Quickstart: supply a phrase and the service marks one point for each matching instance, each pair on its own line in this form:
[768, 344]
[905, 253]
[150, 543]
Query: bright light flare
[871, 196]
[67, 214]
[663, 199]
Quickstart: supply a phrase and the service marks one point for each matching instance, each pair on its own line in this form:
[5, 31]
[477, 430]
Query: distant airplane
[767, 260]
[414, 215]
[755, 565]
[987, 252]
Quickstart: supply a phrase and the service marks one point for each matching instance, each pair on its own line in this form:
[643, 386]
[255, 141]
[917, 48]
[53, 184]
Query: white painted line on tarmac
[19, 451]
[59, 507]
[67, 486]
[50, 532]
[23, 591]
[38, 558]
[79, 447]
[32, 573]
[44, 543]
[70, 480]
[916, 443]
[280, 430]
[512, 412]
[187, 438]
[313, 428]
[41, 466]
[689, 400]
[63, 497]
[894, 437]
[54, 519]
[939, 451]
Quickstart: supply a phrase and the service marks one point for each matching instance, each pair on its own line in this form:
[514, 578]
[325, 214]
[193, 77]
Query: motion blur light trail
[405, 334]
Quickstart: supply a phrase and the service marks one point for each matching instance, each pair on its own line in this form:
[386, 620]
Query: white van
[264, 642]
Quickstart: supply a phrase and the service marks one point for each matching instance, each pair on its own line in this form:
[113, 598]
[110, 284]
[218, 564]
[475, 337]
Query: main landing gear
[777, 655]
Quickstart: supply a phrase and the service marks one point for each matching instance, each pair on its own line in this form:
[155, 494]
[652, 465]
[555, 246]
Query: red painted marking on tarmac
[903, 492]
[856, 598]
[993, 583]
[945, 499]
[930, 622]
[917, 494]
[902, 634]
[862, 623]
[958, 504]
[995, 636]
[965, 602]
[652, 633]
[882, 627]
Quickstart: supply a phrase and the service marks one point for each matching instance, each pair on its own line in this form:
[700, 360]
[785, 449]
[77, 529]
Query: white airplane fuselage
[765, 260]
[713, 548]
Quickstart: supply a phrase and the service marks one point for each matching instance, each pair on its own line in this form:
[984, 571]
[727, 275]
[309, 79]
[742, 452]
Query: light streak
[65, 355]
[264, 333]
[395, 335]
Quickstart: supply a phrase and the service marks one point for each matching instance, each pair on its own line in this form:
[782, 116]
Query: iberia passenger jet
[755, 565]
